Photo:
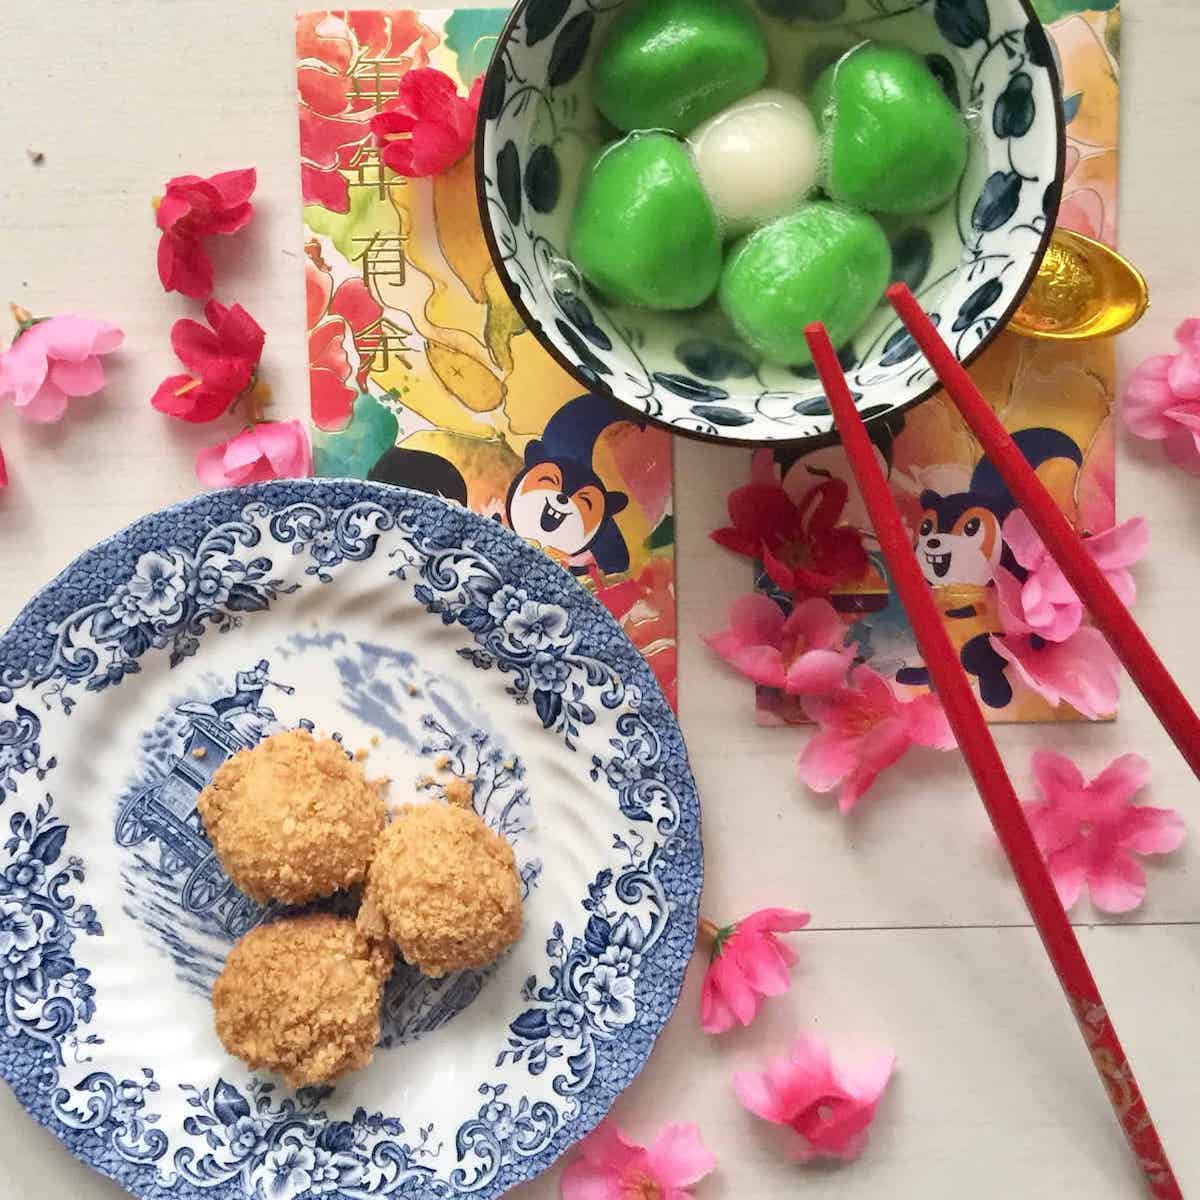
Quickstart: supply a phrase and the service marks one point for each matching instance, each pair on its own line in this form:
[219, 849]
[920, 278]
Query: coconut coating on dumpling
[292, 819]
[444, 887]
[301, 996]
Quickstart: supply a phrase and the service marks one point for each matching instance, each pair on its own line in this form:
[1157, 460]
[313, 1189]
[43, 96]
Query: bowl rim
[815, 441]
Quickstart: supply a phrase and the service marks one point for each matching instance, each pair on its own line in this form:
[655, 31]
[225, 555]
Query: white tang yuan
[758, 159]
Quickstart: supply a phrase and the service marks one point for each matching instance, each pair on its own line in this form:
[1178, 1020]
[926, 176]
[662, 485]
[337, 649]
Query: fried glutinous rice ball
[301, 996]
[292, 819]
[444, 888]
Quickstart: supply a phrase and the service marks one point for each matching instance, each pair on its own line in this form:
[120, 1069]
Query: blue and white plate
[377, 615]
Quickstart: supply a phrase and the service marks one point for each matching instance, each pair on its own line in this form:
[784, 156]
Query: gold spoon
[1083, 290]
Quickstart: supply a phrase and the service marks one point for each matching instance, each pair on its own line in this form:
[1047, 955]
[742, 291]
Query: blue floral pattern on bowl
[362, 609]
[969, 264]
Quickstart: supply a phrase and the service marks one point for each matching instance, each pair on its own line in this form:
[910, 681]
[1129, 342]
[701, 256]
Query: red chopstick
[1112, 618]
[991, 779]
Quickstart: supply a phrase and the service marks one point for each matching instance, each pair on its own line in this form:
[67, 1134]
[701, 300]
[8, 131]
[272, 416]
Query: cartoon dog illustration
[959, 540]
[959, 543]
[558, 500]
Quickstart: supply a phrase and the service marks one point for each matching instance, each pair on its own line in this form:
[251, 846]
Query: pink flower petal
[1147, 399]
[1055, 824]
[1083, 670]
[678, 1158]
[734, 988]
[582, 1181]
[715, 1014]
[756, 1094]
[1118, 886]
[84, 378]
[763, 664]
[883, 747]
[1121, 780]
[816, 672]
[1068, 871]
[763, 965]
[867, 1079]
[1010, 601]
[876, 692]
[210, 466]
[757, 618]
[77, 338]
[817, 621]
[608, 1146]
[774, 920]
[285, 445]
[47, 405]
[1147, 830]
[1183, 449]
[1055, 773]
[23, 369]
[1122, 546]
[928, 724]
[1183, 377]
[1187, 335]
[1023, 540]
[827, 759]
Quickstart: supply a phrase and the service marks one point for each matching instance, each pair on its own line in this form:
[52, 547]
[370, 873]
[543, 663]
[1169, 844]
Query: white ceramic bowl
[970, 264]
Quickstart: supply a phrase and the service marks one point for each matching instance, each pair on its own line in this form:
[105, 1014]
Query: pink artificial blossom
[1083, 671]
[802, 654]
[863, 729]
[611, 1167]
[748, 963]
[1089, 832]
[52, 360]
[830, 1107]
[1162, 401]
[270, 450]
[1045, 603]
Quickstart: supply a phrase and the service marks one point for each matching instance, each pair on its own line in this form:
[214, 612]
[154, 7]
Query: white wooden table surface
[919, 939]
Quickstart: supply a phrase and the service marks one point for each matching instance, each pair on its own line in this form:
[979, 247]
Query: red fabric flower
[342, 323]
[340, 90]
[801, 545]
[222, 362]
[3, 471]
[429, 126]
[191, 210]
